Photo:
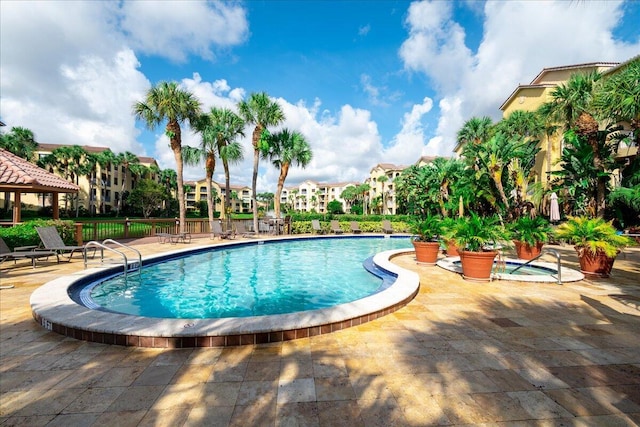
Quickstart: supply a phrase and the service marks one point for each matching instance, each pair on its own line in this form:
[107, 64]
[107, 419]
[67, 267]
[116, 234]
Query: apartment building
[99, 192]
[531, 96]
[312, 196]
[197, 192]
[382, 197]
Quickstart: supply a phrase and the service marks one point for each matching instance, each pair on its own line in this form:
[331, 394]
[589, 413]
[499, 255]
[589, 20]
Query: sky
[365, 82]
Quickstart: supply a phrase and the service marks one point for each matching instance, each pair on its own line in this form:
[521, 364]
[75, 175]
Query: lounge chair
[315, 226]
[217, 232]
[386, 227]
[52, 241]
[355, 227]
[241, 229]
[24, 252]
[335, 227]
[174, 238]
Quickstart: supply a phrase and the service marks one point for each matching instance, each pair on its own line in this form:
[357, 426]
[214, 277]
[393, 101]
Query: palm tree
[207, 152]
[19, 141]
[169, 179]
[105, 160]
[230, 126]
[572, 105]
[262, 112]
[126, 160]
[287, 147]
[475, 130]
[167, 102]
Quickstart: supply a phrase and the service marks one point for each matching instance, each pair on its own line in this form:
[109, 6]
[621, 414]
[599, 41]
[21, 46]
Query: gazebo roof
[17, 174]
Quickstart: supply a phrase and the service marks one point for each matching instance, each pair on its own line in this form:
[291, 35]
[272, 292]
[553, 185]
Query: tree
[147, 196]
[66, 161]
[229, 126]
[169, 179]
[19, 141]
[286, 147]
[105, 160]
[127, 160]
[167, 102]
[262, 112]
[475, 130]
[572, 105]
[334, 207]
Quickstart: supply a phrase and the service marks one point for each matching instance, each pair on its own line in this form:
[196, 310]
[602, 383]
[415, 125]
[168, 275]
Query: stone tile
[577, 402]
[381, 413]
[329, 367]
[262, 371]
[257, 391]
[501, 406]
[179, 396]
[120, 419]
[538, 405]
[73, 420]
[165, 417]
[296, 390]
[509, 380]
[156, 375]
[221, 394]
[296, 368]
[136, 398]
[258, 414]
[303, 414]
[51, 402]
[32, 421]
[224, 372]
[94, 400]
[337, 388]
[119, 377]
[193, 374]
[461, 408]
[205, 416]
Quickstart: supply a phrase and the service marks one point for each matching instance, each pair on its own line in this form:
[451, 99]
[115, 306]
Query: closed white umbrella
[554, 210]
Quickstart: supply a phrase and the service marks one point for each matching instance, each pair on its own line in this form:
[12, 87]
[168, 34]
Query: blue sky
[365, 81]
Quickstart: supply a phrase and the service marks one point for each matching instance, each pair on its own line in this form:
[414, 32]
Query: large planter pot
[477, 265]
[595, 265]
[426, 252]
[526, 251]
[452, 249]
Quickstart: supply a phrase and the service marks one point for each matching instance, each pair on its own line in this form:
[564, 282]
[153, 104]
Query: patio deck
[461, 353]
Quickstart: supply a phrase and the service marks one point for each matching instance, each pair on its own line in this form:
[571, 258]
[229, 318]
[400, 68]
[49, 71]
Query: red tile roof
[18, 174]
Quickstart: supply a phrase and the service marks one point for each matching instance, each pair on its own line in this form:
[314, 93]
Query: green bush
[25, 234]
[304, 227]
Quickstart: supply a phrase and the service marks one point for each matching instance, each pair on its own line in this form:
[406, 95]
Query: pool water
[249, 280]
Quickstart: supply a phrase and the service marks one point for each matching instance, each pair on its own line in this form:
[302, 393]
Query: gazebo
[19, 176]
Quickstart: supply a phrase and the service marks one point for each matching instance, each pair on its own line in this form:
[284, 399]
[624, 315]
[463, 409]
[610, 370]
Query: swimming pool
[54, 308]
[249, 280]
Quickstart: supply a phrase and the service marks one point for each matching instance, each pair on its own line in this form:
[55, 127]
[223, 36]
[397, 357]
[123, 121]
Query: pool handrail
[102, 246]
[544, 251]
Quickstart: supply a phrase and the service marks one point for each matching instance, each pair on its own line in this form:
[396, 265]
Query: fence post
[78, 233]
[177, 230]
[127, 223]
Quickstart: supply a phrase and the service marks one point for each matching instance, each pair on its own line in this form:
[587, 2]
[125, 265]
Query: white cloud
[175, 29]
[364, 30]
[408, 144]
[537, 36]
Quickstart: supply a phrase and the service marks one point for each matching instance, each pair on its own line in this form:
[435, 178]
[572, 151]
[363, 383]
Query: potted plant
[426, 239]
[477, 239]
[596, 241]
[529, 235]
[448, 228]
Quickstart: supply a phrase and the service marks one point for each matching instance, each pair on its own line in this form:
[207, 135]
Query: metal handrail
[102, 246]
[111, 241]
[544, 251]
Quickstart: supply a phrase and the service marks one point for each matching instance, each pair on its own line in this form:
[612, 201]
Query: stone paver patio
[461, 353]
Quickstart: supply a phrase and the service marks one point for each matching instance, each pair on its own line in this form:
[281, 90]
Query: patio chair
[386, 227]
[241, 229]
[335, 227]
[355, 227]
[315, 226]
[24, 252]
[217, 232]
[52, 241]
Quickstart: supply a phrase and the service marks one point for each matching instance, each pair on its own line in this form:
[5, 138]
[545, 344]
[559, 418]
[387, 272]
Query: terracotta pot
[426, 252]
[598, 265]
[477, 265]
[527, 252]
[452, 249]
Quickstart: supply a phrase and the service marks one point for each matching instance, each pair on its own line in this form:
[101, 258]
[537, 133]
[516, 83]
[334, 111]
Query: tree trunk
[254, 180]
[210, 168]
[227, 187]
[173, 129]
[284, 170]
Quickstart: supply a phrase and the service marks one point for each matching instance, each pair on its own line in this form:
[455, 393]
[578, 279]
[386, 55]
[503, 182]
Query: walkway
[460, 353]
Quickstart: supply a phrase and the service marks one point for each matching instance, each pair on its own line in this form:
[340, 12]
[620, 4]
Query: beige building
[197, 192]
[99, 193]
[312, 196]
[530, 97]
[382, 198]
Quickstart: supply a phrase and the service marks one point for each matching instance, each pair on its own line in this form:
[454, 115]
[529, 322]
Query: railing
[127, 267]
[544, 251]
[129, 228]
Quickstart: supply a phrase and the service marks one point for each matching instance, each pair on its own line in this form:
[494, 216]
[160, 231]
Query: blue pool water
[248, 280]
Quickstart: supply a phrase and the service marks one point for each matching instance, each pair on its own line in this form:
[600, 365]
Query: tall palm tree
[262, 112]
[105, 160]
[207, 152]
[287, 147]
[169, 179]
[167, 102]
[230, 126]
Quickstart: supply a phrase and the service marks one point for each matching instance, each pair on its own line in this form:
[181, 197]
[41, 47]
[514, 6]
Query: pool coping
[53, 308]
[567, 274]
